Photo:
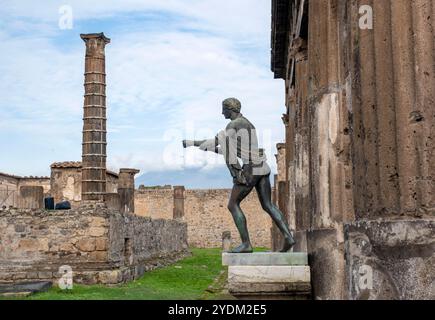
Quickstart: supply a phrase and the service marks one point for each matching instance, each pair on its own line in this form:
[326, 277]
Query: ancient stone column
[178, 202]
[31, 197]
[94, 119]
[126, 189]
[275, 189]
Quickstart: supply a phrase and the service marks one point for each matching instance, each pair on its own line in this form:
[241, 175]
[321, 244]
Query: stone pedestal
[268, 275]
[226, 241]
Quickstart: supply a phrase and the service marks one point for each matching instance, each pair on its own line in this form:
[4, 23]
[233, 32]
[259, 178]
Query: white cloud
[241, 17]
[157, 80]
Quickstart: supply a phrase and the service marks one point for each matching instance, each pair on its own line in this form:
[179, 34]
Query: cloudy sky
[169, 66]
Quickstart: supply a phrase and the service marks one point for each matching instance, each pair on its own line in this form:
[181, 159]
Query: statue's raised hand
[187, 143]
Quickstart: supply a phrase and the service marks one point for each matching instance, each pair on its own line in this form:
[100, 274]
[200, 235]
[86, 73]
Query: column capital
[129, 170]
[96, 36]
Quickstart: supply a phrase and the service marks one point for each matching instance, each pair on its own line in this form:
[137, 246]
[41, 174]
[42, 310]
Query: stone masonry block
[265, 259]
[268, 274]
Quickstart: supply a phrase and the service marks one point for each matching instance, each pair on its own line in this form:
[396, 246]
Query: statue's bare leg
[264, 194]
[239, 193]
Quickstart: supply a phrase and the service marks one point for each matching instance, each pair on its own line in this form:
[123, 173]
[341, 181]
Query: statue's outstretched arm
[205, 145]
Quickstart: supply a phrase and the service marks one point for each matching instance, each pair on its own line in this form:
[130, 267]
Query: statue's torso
[248, 150]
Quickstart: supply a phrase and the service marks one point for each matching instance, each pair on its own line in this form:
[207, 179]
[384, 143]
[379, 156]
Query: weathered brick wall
[10, 188]
[40, 237]
[101, 246]
[360, 122]
[206, 215]
[66, 184]
[39, 182]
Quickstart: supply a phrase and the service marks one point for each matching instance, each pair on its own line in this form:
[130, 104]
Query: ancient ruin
[239, 141]
[355, 178]
[94, 119]
[196, 206]
[100, 238]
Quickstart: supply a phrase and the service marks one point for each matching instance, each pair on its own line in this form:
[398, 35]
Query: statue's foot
[288, 244]
[243, 248]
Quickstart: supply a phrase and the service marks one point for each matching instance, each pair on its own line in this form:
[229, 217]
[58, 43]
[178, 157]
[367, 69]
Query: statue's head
[230, 106]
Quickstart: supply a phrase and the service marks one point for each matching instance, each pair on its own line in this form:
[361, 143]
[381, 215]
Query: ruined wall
[43, 182]
[66, 182]
[206, 215]
[10, 188]
[101, 246]
[393, 110]
[156, 203]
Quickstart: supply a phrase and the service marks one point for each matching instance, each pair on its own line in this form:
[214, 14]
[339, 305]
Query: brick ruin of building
[100, 238]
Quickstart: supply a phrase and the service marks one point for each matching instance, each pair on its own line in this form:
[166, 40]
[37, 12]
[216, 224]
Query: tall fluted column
[94, 119]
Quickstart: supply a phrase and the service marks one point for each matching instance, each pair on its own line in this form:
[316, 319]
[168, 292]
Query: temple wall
[8, 190]
[206, 215]
[10, 186]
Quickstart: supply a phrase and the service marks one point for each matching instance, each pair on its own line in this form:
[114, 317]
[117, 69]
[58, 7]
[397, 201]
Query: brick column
[94, 119]
[178, 202]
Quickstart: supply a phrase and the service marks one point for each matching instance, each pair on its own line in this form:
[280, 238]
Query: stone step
[258, 289]
[16, 294]
[269, 274]
[265, 259]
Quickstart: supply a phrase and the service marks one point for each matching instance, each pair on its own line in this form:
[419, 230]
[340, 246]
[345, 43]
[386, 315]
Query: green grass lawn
[188, 279]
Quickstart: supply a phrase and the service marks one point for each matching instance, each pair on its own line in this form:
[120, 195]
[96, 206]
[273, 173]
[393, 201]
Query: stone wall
[207, 215]
[8, 190]
[43, 182]
[156, 203]
[100, 245]
[281, 196]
